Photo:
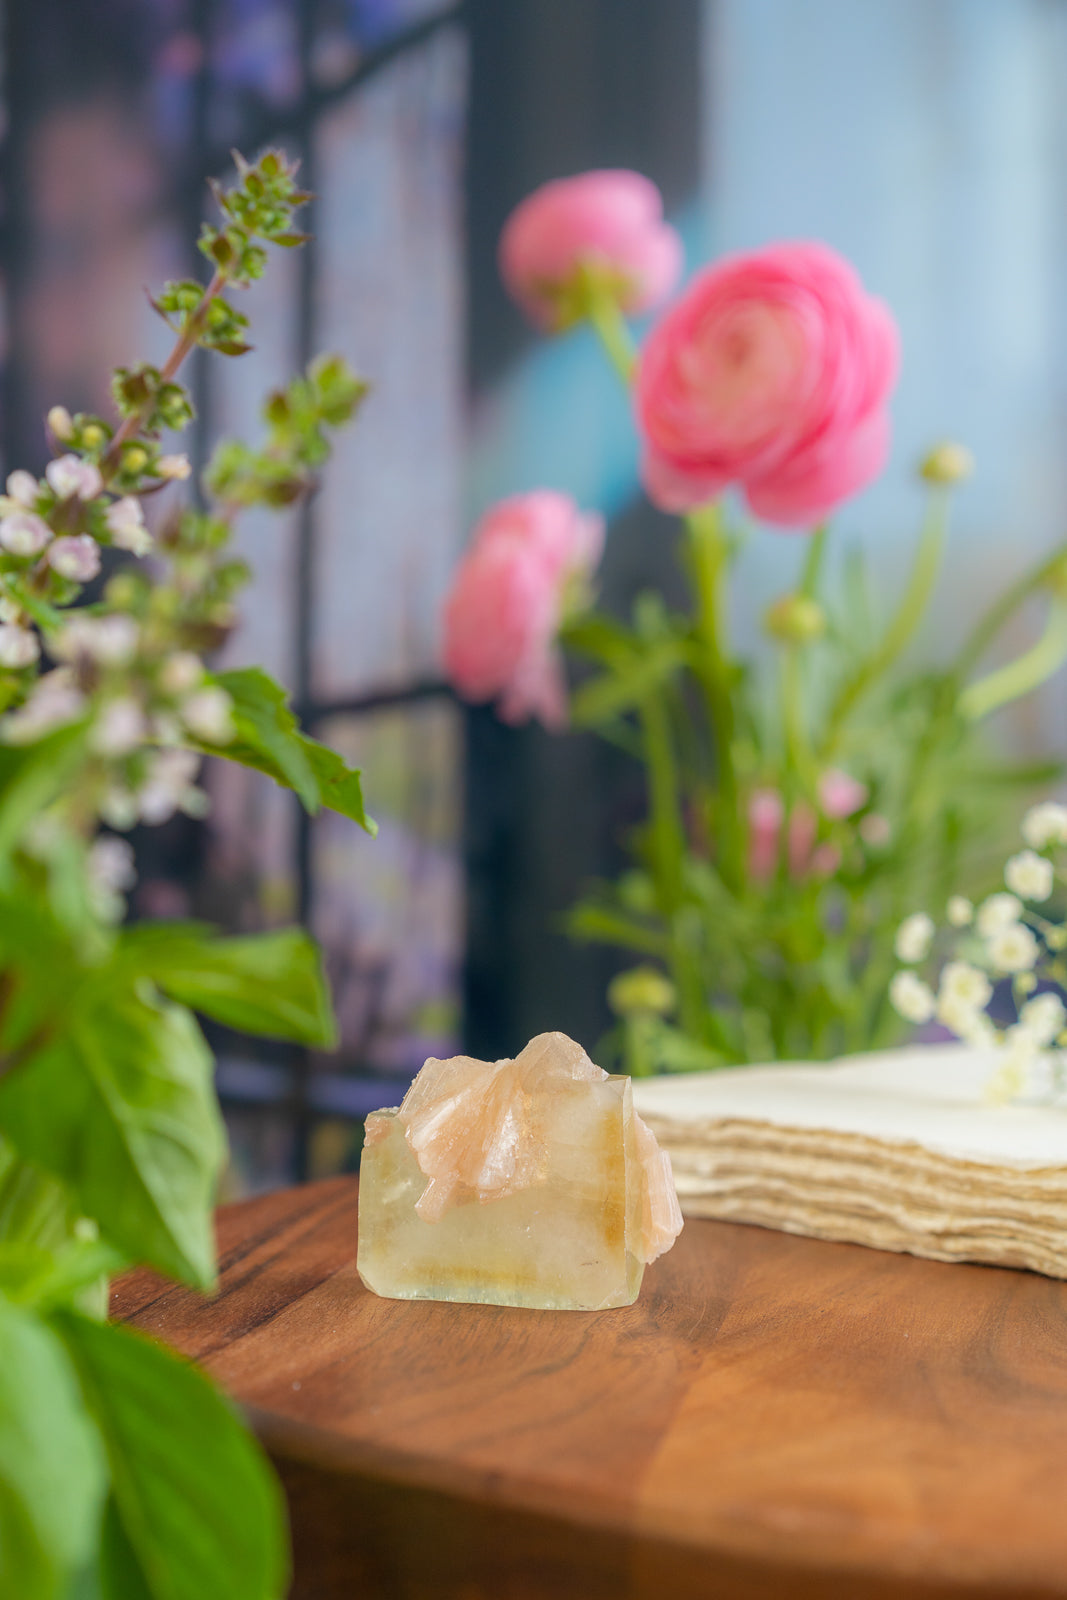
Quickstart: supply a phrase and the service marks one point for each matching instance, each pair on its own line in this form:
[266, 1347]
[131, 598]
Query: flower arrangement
[122, 1471]
[1002, 989]
[796, 808]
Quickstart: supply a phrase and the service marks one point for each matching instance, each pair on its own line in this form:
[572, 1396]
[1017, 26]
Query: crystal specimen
[520, 1183]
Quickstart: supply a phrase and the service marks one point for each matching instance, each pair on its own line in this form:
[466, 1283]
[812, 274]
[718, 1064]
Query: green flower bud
[947, 463]
[642, 990]
[135, 459]
[93, 436]
[795, 619]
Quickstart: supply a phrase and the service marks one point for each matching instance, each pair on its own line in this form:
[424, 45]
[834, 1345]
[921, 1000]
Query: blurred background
[925, 139]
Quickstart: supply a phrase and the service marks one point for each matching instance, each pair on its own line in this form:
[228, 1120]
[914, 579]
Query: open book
[897, 1149]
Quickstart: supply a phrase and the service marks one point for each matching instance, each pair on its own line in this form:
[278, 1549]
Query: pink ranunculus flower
[503, 612]
[772, 372]
[766, 813]
[840, 794]
[610, 221]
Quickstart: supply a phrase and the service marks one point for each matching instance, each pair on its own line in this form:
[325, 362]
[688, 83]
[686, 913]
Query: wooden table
[775, 1418]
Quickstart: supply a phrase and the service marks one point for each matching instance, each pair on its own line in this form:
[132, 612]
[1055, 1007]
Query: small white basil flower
[111, 864]
[998, 911]
[1012, 948]
[1029, 875]
[170, 785]
[60, 423]
[913, 938]
[1045, 824]
[19, 647]
[208, 714]
[911, 998]
[180, 672]
[176, 467]
[76, 557]
[23, 487]
[125, 523]
[24, 533]
[72, 477]
[959, 911]
[110, 640]
[54, 701]
[119, 728]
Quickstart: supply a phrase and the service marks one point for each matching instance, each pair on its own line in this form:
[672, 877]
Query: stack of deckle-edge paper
[898, 1149]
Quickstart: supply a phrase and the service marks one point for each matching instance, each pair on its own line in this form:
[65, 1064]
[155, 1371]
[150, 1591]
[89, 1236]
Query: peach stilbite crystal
[528, 1182]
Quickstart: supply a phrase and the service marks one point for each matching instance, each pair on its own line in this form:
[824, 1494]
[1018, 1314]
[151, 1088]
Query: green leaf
[31, 776]
[52, 1476]
[604, 698]
[132, 1128]
[269, 739]
[199, 1509]
[51, 1279]
[270, 983]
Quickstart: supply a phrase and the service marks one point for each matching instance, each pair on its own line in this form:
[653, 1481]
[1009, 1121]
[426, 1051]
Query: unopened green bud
[93, 436]
[642, 990]
[947, 463]
[795, 619]
[135, 459]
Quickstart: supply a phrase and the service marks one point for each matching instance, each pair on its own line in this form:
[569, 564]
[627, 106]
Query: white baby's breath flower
[912, 998]
[23, 487]
[966, 1020]
[1029, 875]
[998, 911]
[966, 983]
[72, 477]
[24, 533]
[119, 728]
[1045, 824]
[76, 557]
[1012, 948]
[180, 672]
[208, 714]
[913, 938]
[176, 467]
[959, 911]
[1043, 1017]
[119, 808]
[19, 647]
[125, 523]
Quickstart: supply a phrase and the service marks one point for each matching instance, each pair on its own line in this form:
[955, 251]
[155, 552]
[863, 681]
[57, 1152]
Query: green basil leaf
[198, 1505]
[31, 776]
[132, 1128]
[270, 983]
[269, 739]
[52, 1470]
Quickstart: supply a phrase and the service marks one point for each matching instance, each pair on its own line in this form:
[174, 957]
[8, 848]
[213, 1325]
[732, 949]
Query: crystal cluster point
[529, 1182]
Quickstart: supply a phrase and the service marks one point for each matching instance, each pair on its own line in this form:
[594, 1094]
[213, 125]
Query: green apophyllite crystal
[523, 1183]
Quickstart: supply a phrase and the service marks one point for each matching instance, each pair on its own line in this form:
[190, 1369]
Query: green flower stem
[708, 559]
[797, 745]
[904, 621]
[612, 329]
[813, 562]
[668, 849]
[987, 628]
[1019, 677]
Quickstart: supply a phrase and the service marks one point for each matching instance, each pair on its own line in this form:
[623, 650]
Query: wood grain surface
[774, 1418]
